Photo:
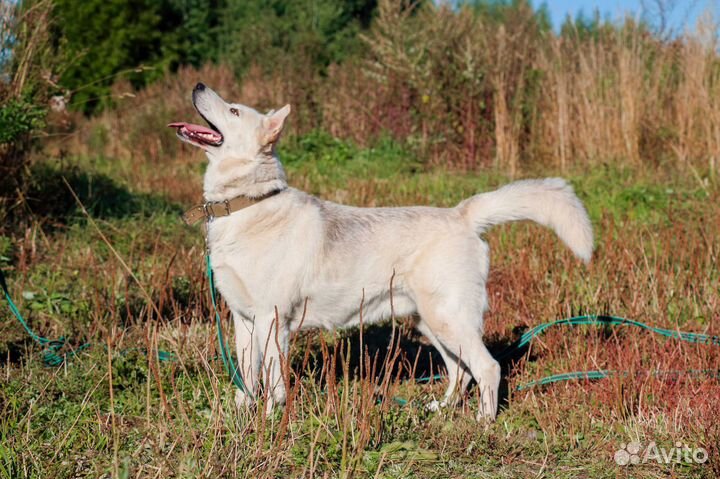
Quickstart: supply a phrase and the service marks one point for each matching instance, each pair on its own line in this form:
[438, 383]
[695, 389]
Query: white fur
[272, 257]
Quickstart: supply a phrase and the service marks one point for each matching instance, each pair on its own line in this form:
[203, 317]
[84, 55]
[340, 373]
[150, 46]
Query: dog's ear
[273, 125]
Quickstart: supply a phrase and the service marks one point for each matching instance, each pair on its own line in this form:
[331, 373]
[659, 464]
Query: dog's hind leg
[455, 325]
[458, 375]
[485, 369]
[470, 349]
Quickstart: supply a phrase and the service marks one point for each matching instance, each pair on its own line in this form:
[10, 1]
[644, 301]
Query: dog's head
[235, 131]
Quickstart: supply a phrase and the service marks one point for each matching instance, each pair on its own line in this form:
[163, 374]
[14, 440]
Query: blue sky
[684, 12]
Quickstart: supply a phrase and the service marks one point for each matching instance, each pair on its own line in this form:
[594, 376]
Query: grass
[115, 412]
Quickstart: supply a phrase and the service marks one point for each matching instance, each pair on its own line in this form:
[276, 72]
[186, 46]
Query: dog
[285, 260]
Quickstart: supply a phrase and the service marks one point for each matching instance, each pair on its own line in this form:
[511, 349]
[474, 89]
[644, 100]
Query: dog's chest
[258, 262]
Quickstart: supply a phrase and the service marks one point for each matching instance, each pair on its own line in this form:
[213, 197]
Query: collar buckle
[208, 210]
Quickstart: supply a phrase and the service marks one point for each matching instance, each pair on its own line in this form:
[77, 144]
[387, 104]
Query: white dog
[274, 248]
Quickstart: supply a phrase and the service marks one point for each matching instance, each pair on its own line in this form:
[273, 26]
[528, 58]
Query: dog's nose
[200, 87]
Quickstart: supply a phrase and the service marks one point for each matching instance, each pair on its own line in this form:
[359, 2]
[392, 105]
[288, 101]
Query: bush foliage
[25, 85]
[139, 40]
[476, 85]
[473, 84]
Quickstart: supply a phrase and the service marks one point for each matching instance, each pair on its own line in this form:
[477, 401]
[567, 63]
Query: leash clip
[207, 209]
[209, 216]
[207, 237]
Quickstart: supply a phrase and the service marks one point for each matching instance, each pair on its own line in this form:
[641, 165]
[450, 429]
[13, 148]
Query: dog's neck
[252, 178]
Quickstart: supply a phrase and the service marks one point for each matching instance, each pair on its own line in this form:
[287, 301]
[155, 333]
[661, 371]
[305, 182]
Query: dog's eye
[234, 111]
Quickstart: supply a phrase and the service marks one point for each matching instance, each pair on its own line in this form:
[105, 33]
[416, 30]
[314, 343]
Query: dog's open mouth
[199, 135]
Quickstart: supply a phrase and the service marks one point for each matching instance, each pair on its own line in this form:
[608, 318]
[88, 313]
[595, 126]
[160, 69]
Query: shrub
[26, 81]
[137, 41]
[473, 85]
[18, 118]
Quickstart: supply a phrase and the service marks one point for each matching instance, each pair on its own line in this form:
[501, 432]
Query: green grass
[656, 261]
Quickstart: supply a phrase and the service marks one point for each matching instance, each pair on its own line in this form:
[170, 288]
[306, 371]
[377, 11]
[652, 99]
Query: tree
[141, 39]
[100, 40]
[314, 33]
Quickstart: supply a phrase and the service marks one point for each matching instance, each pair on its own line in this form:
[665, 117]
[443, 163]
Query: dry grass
[634, 123]
[656, 261]
[469, 92]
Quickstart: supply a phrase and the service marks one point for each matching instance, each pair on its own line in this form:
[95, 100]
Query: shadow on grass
[14, 351]
[417, 359]
[49, 200]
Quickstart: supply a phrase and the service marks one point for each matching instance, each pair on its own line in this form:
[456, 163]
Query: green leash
[599, 320]
[51, 353]
[226, 355]
[596, 320]
[52, 357]
[606, 373]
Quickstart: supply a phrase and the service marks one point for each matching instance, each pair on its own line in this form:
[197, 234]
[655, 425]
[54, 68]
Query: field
[103, 274]
[393, 103]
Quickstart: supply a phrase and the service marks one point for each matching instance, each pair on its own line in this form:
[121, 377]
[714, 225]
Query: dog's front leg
[248, 356]
[272, 334]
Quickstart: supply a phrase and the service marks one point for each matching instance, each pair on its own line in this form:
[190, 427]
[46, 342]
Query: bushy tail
[550, 202]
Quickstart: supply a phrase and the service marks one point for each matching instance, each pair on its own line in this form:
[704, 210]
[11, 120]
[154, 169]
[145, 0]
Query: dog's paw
[485, 419]
[272, 406]
[242, 400]
[435, 405]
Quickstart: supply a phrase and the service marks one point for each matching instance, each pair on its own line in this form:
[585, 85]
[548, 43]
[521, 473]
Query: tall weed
[465, 89]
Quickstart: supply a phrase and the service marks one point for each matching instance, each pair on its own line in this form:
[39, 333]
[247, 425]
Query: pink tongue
[193, 128]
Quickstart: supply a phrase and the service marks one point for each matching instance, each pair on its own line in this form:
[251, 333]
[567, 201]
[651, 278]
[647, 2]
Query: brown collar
[214, 209]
